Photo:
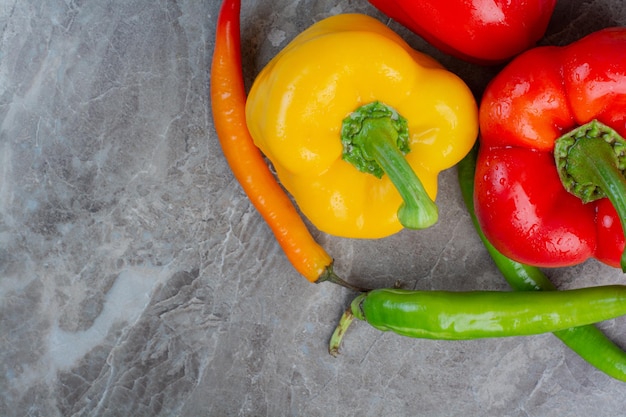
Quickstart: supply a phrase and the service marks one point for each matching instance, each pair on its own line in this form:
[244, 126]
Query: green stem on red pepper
[591, 162]
[375, 139]
[589, 342]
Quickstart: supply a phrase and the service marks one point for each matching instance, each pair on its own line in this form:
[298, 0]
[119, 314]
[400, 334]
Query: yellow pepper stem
[375, 139]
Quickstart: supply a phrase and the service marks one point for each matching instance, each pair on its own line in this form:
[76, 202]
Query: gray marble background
[136, 279]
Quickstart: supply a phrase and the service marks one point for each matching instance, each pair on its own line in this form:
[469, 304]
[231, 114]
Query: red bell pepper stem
[591, 162]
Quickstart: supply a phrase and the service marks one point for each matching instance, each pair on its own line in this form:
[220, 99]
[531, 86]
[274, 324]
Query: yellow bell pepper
[358, 126]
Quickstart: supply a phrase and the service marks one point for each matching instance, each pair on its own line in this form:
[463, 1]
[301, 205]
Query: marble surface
[136, 278]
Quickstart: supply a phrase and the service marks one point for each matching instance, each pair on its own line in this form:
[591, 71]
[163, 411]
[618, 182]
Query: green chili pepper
[480, 314]
[587, 341]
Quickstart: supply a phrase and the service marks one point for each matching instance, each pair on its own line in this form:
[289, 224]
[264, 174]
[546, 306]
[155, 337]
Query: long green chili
[587, 341]
[476, 314]
[466, 315]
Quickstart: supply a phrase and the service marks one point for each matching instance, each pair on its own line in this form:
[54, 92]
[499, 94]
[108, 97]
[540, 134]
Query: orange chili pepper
[228, 99]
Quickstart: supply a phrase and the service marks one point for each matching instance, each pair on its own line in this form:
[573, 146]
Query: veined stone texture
[137, 280]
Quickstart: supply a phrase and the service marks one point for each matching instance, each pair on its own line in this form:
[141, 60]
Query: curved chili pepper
[449, 315]
[228, 98]
[587, 341]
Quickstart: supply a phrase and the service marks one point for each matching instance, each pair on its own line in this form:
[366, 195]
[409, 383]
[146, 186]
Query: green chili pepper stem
[335, 340]
[375, 138]
[352, 312]
[587, 341]
[590, 160]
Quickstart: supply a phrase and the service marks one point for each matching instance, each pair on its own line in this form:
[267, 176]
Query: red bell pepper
[479, 31]
[550, 187]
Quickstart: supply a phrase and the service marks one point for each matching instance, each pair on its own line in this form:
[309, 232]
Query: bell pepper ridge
[375, 139]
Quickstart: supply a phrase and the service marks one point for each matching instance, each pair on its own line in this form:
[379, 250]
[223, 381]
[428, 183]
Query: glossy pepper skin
[521, 203]
[483, 32]
[299, 103]
[448, 315]
[588, 341]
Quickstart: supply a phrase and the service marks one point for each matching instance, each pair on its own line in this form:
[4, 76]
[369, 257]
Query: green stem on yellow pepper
[591, 161]
[375, 139]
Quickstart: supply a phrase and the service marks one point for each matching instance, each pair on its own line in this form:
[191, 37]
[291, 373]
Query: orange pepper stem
[375, 139]
[330, 276]
[591, 162]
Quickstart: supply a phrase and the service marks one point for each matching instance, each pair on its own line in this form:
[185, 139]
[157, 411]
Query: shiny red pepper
[550, 175]
[479, 31]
